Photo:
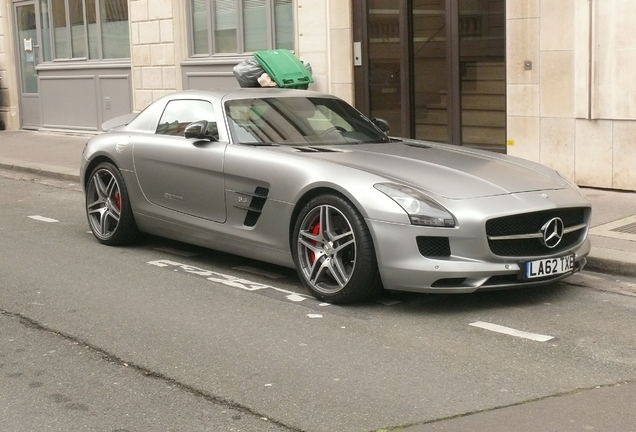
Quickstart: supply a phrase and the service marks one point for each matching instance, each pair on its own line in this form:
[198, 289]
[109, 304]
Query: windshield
[299, 121]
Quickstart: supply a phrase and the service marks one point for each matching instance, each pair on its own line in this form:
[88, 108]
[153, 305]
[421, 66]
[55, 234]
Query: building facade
[545, 80]
[574, 107]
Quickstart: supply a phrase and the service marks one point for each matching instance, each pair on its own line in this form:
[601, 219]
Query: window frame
[270, 12]
[51, 51]
[183, 124]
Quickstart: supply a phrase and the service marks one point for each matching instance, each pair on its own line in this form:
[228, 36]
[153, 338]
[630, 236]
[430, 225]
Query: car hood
[448, 171]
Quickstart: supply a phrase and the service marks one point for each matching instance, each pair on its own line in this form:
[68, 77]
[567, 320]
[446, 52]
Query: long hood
[448, 171]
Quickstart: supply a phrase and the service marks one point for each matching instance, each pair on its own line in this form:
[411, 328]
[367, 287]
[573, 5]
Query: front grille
[433, 247]
[531, 223]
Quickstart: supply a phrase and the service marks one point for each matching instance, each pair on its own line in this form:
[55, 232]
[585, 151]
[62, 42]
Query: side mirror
[381, 124]
[202, 129]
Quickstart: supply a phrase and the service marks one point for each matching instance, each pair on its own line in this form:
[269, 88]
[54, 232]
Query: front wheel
[108, 208]
[334, 252]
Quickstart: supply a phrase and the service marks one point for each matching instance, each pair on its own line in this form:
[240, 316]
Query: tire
[108, 208]
[334, 252]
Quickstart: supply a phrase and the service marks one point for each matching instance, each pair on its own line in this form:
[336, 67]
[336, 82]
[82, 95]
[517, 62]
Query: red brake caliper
[314, 230]
[118, 200]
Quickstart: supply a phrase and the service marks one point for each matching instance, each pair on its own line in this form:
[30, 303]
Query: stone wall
[325, 40]
[575, 108]
[158, 31]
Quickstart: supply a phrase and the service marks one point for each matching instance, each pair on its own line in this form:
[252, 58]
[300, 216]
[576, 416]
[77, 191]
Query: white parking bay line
[510, 331]
[43, 219]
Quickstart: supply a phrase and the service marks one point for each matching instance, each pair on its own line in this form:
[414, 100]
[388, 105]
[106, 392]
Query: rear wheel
[108, 208]
[334, 252]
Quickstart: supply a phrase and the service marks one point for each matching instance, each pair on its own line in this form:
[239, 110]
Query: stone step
[484, 70]
[476, 135]
[484, 135]
[437, 133]
[496, 118]
[484, 86]
[477, 101]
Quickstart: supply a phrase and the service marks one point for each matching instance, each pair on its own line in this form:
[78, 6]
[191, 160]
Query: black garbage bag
[248, 72]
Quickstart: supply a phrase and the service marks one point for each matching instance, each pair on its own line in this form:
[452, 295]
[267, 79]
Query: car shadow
[445, 304]
[387, 302]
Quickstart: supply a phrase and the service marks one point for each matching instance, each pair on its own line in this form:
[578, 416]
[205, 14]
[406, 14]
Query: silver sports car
[303, 180]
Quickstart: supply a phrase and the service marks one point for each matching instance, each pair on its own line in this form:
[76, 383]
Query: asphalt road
[166, 336]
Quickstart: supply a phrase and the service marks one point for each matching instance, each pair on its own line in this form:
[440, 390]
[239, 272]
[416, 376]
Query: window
[239, 26]
[180, 113]
[84, 29]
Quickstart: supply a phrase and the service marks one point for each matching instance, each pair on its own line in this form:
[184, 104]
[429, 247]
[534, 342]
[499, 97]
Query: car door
[184, 175]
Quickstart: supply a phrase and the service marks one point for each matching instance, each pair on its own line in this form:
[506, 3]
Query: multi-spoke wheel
[334, 252]
[108, 207]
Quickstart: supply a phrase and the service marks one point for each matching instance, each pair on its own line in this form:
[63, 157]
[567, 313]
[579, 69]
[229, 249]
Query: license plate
[548, 267]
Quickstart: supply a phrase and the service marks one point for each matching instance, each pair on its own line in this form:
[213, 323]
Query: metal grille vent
[531, 223]
[433, 247]
[626, 229]
[256, 206]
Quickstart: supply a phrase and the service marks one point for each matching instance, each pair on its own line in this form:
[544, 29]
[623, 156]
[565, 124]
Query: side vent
[255, 206]
[317, 149]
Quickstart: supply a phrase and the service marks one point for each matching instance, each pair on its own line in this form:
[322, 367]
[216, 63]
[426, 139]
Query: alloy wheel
[326, 249]
[103, 203]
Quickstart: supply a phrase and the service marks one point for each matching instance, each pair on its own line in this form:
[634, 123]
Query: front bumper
[471, 266]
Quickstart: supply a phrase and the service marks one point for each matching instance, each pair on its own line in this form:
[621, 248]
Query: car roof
[245, 93]
[142, 120]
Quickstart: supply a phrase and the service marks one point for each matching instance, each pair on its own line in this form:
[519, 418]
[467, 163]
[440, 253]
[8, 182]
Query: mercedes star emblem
[552, 232]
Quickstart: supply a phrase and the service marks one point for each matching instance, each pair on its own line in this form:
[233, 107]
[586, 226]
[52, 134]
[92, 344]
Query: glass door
[482, 61]
[430, 66]
[435, 69]
[28, 50]
[385, 62]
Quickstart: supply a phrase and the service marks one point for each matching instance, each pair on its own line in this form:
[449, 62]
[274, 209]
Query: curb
[42, 170]
[612, 261]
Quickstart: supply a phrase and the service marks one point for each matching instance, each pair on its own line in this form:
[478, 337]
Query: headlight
[422, 210]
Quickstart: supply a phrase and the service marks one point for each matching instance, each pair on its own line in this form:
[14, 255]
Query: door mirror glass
[381, 124]
[202, 129]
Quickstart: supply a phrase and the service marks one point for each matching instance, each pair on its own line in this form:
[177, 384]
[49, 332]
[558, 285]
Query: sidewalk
[613, 232]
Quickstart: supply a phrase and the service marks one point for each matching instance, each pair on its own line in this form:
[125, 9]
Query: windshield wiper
[412, 144]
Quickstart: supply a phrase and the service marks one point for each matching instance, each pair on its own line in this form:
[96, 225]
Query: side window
[180, 113]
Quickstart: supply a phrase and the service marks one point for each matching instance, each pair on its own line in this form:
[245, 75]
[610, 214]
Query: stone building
[545, 80]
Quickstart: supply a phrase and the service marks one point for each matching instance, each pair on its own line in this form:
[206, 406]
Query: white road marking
[314, 315]
[512, 332]
[43, 219]
[229, 280]
[295, 297]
